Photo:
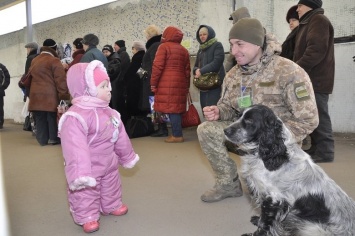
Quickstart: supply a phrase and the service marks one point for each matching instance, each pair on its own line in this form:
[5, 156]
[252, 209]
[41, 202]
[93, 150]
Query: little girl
[94, 144]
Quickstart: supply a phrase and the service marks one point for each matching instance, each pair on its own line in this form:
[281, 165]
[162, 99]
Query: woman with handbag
[210, 57]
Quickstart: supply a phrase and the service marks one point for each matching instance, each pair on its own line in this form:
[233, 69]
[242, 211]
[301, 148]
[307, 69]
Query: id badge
[245, 101]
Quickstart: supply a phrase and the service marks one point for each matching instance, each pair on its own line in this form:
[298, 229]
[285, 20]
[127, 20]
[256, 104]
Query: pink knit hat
[99, 76]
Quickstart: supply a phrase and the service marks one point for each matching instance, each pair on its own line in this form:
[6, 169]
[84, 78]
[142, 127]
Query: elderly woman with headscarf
[210, 57]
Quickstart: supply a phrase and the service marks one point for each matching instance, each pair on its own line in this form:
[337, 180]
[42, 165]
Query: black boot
[161, 132]
[1, 123]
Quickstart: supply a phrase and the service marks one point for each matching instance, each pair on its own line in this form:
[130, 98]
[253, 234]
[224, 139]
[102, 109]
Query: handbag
[26, 80]
[61, 109]
[190, 118]
[142, 73]
[139, 126]
[27, 125]
[207, 81]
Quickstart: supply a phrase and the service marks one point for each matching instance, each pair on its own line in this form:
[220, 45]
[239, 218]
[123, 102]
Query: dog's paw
[255, 220]
[247, 234]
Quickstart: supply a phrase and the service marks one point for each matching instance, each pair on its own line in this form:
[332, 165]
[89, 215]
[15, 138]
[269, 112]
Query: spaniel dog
[295, 196]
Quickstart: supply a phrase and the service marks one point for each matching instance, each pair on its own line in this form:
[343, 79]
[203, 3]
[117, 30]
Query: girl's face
[104, 91]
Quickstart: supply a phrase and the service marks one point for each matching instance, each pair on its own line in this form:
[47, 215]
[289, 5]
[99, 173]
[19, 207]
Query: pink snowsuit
[94, 144]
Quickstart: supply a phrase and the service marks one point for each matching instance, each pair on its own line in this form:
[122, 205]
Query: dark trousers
[322, 137]
[210, 97]
[1, 111]
[47, 128]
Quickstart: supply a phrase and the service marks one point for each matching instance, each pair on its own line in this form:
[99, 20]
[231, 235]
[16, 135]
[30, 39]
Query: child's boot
[120, 211]
[91, 226]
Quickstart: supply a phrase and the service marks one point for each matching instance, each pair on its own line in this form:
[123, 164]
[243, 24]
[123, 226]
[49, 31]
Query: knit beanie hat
[100, 75]
[240, 13]
[77, 43]
[50, 43]
[314, 4]
[108, 48]
[90, 39]
[140, 46]
[33, 45]
[120, 43]
[249, 30]
[292, 14]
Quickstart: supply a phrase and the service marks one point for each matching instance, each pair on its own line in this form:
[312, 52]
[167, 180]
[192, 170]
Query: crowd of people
[104, 91]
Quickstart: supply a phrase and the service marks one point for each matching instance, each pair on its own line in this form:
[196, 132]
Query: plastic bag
[25, 111]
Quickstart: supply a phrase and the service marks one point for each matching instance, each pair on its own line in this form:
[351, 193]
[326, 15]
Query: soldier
[261, 76]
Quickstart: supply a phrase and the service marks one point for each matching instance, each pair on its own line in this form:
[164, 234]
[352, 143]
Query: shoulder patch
[301, 91]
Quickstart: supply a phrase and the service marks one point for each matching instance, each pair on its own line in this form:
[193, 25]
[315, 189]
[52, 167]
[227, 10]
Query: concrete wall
[126, 19]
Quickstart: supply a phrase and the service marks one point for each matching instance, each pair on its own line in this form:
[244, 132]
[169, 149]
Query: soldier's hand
[211, 113]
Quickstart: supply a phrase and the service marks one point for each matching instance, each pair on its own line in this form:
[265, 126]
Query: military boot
[220, 192]
[161, 132]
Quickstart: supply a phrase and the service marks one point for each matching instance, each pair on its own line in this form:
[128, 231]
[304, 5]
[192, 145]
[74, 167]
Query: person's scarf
[88, 102]
[208, 43]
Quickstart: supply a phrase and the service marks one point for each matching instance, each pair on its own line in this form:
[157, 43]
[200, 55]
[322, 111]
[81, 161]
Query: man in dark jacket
[90, 41]
[314, 52]
[4, 83]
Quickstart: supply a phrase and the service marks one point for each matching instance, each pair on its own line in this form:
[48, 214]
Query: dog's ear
[272, 149]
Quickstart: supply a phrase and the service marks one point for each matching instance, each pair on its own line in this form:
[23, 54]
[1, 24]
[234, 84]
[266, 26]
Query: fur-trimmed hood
[80, 78]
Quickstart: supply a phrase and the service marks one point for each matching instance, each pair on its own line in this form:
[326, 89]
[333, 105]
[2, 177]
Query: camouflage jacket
[277, 83]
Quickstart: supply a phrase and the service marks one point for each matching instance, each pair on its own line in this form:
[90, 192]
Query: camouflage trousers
[213, 144]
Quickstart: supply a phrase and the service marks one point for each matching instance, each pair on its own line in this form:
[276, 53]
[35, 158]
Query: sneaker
[218, 193]
[91, 226]
[173, 139]
[120, 211]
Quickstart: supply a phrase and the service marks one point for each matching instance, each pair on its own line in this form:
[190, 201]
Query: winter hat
[82, 78]
[100, 75]
[249, 30]
[50, 43]
[33, 45]
[90, 39]
[240, 13]
[77, 43]
[292, 14]
[120, 43]
[108, 48]
[139, 45]
[314, 4]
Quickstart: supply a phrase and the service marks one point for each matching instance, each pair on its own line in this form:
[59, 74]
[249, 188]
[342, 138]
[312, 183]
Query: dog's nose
[227, 131]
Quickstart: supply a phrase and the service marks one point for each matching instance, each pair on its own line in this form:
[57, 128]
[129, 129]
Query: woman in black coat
[152, 33]
[133, 82]
[288, 47]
